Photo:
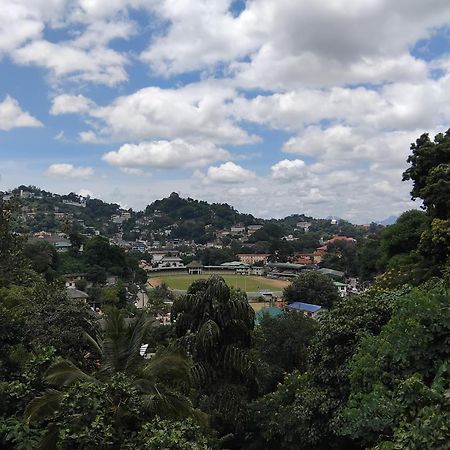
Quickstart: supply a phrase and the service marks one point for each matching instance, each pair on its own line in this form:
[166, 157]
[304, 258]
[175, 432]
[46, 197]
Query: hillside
[173, 218]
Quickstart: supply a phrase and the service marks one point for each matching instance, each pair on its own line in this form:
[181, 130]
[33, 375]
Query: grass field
[244, 282]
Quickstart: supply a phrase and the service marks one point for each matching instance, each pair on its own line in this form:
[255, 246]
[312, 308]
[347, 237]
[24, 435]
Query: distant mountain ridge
[388, 221]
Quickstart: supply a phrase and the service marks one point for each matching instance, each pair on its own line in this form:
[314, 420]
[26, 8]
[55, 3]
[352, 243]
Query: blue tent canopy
[270, 311]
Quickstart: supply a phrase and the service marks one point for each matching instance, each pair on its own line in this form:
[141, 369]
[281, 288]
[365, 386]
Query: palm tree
[159, 379]
[214, 325]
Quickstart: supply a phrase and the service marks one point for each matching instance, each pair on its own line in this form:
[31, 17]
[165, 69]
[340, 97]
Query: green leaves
[400, 376]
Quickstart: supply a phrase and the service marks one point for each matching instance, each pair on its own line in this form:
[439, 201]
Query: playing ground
[246, 283]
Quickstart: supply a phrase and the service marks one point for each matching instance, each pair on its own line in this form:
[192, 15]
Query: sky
[275, 107]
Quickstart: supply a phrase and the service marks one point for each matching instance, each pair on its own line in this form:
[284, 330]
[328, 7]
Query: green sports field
[246, 283]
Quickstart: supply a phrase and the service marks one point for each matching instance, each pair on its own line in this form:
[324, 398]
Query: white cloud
[69, 170]
[287, 170]
[195, 112]
[201, 34]
[70, 104]
[133, 171]
[174, 154]
[12, 116]
[96, 64]
[85, 193]
[309, 44]
[228, 172]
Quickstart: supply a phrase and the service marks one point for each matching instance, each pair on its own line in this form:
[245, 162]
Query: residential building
[252, 228]
[72, 278]
[253, 258]
[342, 288]
[237, 229]
[304, 226]
[61, 244]
[308, 309]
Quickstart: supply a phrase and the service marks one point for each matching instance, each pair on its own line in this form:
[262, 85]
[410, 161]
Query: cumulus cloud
[229, 172]
[163, 154]
[70, 104]
[199, 111]
[12, 116]
[69, 170]
[96, 64]
[287, 170]
[310, 44]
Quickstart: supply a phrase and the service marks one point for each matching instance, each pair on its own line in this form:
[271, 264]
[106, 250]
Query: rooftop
[308, 307]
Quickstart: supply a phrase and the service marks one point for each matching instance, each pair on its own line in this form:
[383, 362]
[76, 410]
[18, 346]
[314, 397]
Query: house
[303, 226]
[308, 309]
[75, 294]
[237, 229]
[252, 228]
[252, 258]
[342, 288]
[81, 204]
[195, 268]
[331, 272]
[158, 255]
[61, 244]
[71, 279]
[334, 239]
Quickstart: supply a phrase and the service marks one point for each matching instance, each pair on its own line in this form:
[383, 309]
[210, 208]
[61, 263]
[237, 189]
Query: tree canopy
[312, 287]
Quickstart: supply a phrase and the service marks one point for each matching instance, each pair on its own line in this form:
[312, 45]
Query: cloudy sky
[276, 107]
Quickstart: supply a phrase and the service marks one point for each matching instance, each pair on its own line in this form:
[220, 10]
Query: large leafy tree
[429, 172]
[305, 410]
[312, 287]
[52, 319]
[214, 324]
[281, 345]
[156, 384]
[403, 237]
[342, 256]
[43, 257]
[399, 378]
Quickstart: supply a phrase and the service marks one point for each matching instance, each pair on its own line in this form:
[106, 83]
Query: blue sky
[274, 107]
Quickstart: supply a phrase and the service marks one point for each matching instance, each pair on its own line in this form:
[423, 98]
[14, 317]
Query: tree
[342, 256]
[214, 324]
[305, 410]
[399, 378]
[170, 435]
[53, 320]
[404, 236]
[429, 172]
[282, 343]
[312, 287]
[369, 253]
[13, 265]
[125, 386]
[43, 257]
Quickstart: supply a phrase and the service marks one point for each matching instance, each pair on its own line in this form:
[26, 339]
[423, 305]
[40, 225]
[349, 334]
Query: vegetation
[371, 373]
[312, 287]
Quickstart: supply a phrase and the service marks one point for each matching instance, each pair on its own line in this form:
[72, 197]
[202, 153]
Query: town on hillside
[179, 236]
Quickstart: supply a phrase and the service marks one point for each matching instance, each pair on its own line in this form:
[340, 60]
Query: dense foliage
[312, 287]
[372, 372]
